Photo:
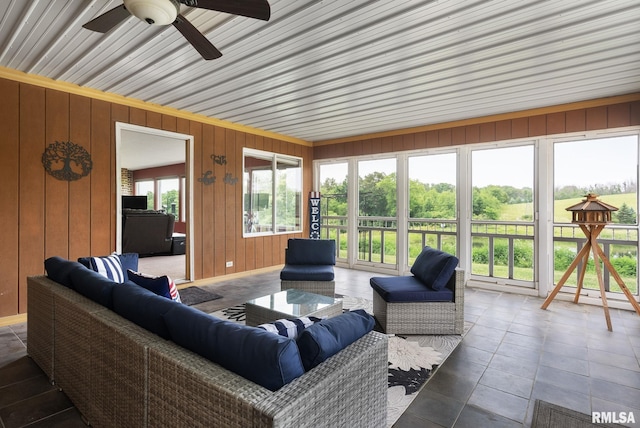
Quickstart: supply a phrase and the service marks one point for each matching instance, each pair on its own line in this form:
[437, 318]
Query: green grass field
[523, 211]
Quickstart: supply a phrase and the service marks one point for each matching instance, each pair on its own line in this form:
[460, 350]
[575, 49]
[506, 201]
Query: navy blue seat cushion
[307, 273]
[59, 270]
[142, 307]
[310, 252]
[326, 338]
[93, 286]
[434, 267]
[262, 357]
[128, 261]
[399, 289]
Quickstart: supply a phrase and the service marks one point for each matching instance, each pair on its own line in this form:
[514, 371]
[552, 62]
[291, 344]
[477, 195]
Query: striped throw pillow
[109, 267]
[290, 328]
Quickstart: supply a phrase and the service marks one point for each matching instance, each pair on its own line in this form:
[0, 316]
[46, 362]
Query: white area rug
[412, 359]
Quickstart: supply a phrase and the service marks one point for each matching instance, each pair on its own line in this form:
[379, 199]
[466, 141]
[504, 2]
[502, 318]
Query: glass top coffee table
[290, 304]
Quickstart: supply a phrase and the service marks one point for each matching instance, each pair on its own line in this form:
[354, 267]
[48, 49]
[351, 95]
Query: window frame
[275, 159]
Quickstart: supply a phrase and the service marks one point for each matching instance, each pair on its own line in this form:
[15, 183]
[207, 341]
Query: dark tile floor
[514, 354]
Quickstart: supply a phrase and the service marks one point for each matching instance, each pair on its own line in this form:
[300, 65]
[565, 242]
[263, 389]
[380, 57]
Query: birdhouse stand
[592, 215]
[591, 211]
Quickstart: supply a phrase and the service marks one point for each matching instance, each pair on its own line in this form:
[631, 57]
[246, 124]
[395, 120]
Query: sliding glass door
[503, 230]
[432, 206]
[377, 210]
[607, 167]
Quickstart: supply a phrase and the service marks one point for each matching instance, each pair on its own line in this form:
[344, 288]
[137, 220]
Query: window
[146, 187]
[272, 193]
[169, 192]
[333, 205]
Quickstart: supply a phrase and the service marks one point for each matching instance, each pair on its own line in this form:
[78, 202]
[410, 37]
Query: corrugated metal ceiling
[327, 69]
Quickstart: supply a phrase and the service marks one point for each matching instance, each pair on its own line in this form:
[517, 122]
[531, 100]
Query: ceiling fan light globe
[157, 12]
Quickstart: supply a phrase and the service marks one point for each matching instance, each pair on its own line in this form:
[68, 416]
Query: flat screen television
[134, 202]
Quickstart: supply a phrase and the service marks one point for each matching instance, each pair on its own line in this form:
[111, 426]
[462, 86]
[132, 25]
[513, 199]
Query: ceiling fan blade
[196, 38]
[108, 20]
[258, 9]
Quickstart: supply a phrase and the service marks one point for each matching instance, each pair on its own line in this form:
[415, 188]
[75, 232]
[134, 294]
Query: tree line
[378, 197]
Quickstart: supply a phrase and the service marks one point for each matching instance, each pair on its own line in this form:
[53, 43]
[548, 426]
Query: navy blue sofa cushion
[310, 252]
[262, 357]
[59, 270]
[93, 286]
[434, 267]
[398, 289]
[307, 273]
[326, 338]
[142, 307]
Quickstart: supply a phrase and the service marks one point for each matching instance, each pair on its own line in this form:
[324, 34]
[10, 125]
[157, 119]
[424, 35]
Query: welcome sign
[314, 215]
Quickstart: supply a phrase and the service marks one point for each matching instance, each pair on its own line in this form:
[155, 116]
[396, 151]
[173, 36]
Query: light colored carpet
[172, 266]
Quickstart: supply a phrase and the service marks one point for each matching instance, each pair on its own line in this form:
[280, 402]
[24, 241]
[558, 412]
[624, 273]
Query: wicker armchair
[431, 301]
[423, 317]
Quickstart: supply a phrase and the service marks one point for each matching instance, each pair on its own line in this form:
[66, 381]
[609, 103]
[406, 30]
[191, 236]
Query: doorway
[139, 147]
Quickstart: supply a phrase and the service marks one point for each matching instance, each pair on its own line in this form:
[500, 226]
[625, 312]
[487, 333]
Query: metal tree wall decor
[66, 161]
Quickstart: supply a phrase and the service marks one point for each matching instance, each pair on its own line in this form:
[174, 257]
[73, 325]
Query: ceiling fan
[165, 12]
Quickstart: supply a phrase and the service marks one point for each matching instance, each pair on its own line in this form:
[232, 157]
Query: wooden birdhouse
[591, 211]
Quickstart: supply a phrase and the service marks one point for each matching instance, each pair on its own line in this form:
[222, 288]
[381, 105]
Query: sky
[583, 163]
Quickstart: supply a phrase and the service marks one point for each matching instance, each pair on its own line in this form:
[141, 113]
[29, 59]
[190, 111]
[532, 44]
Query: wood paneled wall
[536, 125]
[43, 216]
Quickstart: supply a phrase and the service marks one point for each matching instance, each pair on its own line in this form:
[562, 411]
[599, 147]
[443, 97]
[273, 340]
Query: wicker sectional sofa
[118, 373]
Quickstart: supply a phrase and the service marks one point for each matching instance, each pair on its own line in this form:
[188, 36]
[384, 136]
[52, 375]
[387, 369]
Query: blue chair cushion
[326, 338]
[434, 267]
[307, 273]
[93, 286]
[402, 289]
[59, 270]
[311, 252]
[142, 307]
[262, 357]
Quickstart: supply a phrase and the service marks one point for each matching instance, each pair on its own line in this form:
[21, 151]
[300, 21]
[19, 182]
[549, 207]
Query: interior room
[191, 146]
